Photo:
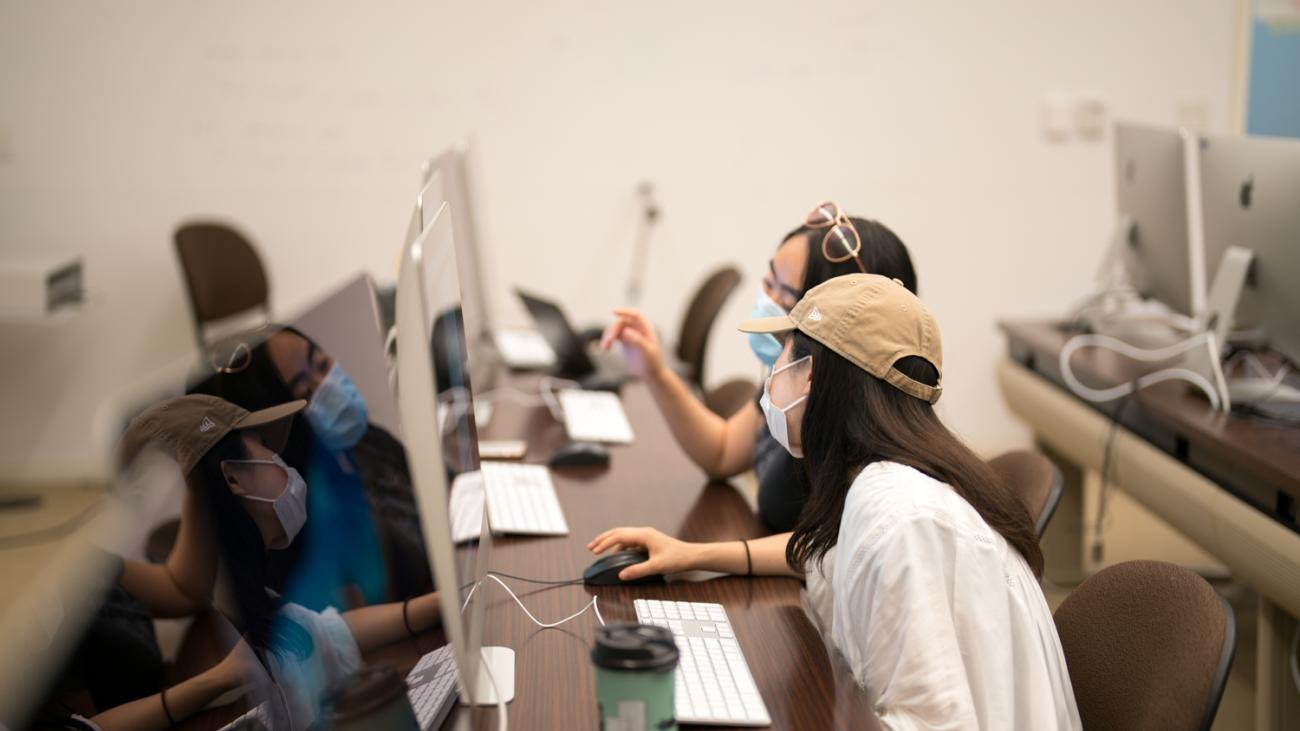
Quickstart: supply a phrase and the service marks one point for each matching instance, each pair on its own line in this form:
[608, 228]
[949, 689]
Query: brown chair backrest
[693, 338]
[223, 274]
[726, 400]
[1035, 479]
[1148, 645]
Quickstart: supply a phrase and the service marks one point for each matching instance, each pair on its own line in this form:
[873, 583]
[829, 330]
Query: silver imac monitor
[1151, 193]
[428, 307]
[1250, 198]
[447, 180]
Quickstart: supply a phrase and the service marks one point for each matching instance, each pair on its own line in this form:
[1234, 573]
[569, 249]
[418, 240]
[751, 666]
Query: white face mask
[778, 422]
[290, 505]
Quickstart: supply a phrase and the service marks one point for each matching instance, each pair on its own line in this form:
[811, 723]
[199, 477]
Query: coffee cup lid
[634, 647]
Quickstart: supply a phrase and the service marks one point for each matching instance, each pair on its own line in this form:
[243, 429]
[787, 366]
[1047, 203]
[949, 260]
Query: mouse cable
[564, 582]
[592, 605]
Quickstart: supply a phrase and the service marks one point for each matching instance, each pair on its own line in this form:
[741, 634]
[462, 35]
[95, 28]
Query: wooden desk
[650, 482]
[1228, 483]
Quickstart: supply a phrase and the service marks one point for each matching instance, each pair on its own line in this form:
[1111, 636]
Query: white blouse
[941, 620]
[301, 682]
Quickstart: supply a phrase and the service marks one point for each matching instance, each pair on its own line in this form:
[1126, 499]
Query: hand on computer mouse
[641, 349]
[667, 555]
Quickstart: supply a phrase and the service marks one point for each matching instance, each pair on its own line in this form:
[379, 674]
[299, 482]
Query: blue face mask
[765, 345]
[337, 413]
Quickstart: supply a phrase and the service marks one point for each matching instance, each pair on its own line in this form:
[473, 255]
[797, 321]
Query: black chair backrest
[693, 338]
[1148, 645]
[223, 273]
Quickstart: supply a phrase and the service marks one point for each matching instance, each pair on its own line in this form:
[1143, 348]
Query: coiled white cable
[1153, 355]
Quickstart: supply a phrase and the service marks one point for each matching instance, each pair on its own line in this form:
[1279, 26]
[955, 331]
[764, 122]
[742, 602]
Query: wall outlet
[1090, 116]
[1193, 113]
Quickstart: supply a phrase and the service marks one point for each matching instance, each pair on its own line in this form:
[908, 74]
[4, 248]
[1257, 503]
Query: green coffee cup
[636, 670]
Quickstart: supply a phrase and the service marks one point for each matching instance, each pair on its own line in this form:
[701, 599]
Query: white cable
[548, 625]
[1154, 355]
[593, 605]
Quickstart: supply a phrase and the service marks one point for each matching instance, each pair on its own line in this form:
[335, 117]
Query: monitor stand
[1220, 315]
[499, 686]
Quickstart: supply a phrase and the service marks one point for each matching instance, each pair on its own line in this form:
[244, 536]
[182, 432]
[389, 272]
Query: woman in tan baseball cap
[828, 243]
[242, 502]
[921, 568]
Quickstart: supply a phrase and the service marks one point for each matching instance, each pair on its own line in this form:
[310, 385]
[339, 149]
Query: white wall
[304, 123]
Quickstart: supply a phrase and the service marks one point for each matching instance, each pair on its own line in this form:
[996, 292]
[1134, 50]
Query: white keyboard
[431, 686]
[465, 506]
[521, 499]
[524, 349]
[714, 685]
[594, 416]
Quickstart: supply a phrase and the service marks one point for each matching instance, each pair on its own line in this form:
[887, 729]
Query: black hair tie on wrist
[749, 561]
[406, 619]
[166, 711]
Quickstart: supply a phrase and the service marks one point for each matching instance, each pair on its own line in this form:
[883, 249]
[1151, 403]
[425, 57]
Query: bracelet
[166, 711]
[749, 561]
[406, 619]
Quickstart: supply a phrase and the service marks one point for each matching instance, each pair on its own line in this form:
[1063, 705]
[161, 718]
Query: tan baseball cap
[871, 320]
[191, 425]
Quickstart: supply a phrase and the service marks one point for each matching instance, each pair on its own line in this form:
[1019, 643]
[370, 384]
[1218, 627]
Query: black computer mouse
[604, 572]
[580, 453]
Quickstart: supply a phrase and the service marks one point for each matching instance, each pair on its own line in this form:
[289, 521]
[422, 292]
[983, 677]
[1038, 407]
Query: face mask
[777, 421]
[290, 506]
[337, 412]
[765, 345]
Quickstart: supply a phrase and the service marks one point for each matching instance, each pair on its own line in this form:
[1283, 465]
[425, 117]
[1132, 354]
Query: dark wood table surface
[649, 482]
[1257, 459]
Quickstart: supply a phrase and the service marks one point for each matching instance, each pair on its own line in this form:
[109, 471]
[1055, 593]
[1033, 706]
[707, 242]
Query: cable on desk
[593, 605]
[547, 582]
[54, 532]
[1146, 355]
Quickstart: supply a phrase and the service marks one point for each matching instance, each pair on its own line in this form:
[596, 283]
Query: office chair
[223, 274]
[1148, 645]
[1035, 479]
[693, 338]
[726, 400]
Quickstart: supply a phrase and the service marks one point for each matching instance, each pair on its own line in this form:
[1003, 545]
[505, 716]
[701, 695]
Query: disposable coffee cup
[373, 699]
[636, 669]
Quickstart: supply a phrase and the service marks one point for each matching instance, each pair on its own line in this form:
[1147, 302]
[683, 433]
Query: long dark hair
[853, 419]
[260, 386]
[244, 554]
[882, 253]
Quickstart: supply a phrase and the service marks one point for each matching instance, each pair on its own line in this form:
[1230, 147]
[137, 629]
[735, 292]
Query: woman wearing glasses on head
[828, 244]
[921, 568]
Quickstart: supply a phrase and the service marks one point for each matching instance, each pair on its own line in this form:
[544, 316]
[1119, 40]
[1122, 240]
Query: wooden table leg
[1277, 700]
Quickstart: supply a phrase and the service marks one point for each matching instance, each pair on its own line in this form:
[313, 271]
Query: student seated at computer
[921, 567]
[828, 244]
[363, 544]
[252, 504]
